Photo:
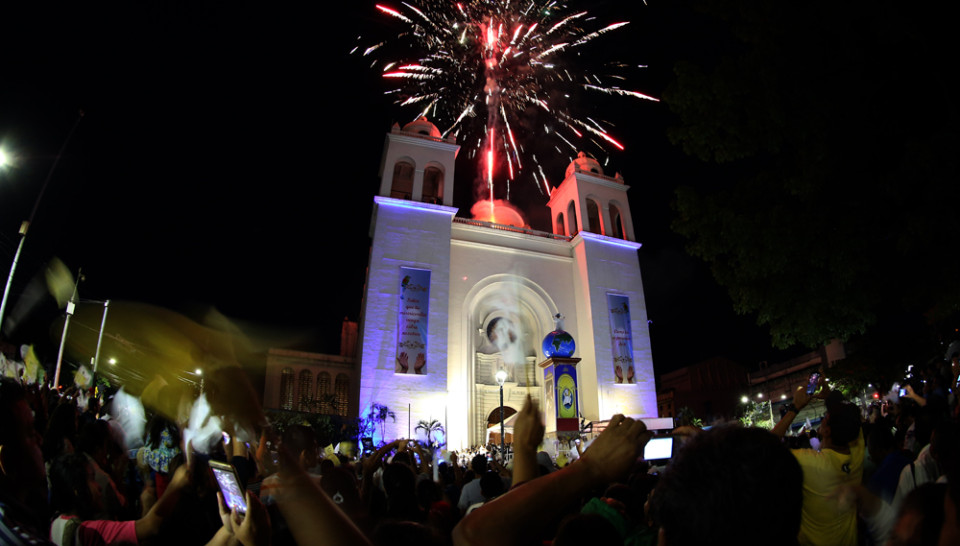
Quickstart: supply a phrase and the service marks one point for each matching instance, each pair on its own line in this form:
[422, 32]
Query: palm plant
[378, 414]
[430, 428]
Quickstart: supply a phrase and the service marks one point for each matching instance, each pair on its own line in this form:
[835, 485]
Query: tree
[430, 428]
[686, 417]
[378, 415]
[834, 199]
[755, 414]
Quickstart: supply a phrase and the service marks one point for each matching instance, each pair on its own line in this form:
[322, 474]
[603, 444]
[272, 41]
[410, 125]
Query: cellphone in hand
[658, 448]
[813, 382]
[230, 486]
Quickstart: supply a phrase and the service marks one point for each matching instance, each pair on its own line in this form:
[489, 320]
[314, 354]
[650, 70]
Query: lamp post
[501, 378]
[26, 224]
[71, 307]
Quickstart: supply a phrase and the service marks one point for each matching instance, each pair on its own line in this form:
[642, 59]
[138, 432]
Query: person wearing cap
[825, 519]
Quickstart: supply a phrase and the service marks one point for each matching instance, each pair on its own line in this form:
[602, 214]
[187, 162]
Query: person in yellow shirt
[825, 519]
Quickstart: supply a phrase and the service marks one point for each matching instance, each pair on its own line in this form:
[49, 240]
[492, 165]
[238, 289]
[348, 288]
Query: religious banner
[566, 393]
[621, 338]
[550, 400]
[413, 310]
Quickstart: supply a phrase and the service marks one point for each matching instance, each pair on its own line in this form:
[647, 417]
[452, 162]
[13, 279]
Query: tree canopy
[832, 131]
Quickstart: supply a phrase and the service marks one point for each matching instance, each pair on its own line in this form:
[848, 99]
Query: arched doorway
[493, 425]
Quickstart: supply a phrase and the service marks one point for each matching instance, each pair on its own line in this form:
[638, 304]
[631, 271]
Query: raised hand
[403, 361]
[612, 454]
[528, 428]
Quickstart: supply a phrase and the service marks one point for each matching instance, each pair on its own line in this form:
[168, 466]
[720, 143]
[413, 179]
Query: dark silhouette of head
[730, 483]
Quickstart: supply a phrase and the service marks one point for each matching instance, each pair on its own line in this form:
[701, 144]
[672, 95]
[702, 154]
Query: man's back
[823, 520]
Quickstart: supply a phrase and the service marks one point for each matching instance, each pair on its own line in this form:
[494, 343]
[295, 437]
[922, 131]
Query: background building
[314, 382]
[711, 389]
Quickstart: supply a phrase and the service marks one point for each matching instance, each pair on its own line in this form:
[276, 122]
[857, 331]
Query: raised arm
[800, 401]
[517, 516]
[149, 525]
[311, 514]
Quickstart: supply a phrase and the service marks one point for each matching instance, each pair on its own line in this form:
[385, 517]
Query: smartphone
[812, 383]
[230, 485]
[903, 392]
[658, 448]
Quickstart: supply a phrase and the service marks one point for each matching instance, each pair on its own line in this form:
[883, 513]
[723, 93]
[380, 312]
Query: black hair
[297, 438]
[61, 426]
[844, 423]
[69, 493]
[491, 485]
[479, 464]
[926, 501]
[11, 392]
[722, 474]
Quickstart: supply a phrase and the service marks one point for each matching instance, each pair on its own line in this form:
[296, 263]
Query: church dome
[422, 126]
[584, 163]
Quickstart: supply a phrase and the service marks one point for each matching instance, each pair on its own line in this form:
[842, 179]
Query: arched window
[616, 222]
[559, 229]
[402, 186]
[342, 392]
[286, 389]
[594, 225]
[572, 220]
[432, 185]
[324, 398]
[305, 392]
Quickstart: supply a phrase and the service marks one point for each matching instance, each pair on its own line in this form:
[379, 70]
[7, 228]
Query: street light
[26, 223]
[501, 379]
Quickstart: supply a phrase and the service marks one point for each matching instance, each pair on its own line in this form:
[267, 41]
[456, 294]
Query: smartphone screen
[230, 486]
[812, 383]
[658, 448]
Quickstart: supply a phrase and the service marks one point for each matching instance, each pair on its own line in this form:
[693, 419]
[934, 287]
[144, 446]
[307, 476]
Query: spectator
[77, 497]
[839, 462]
[23, 483]
[517, 517]
[301, 442]
[470, 494]
[730, 484]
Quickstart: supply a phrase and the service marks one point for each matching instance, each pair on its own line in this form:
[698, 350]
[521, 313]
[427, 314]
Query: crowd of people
[884, 475]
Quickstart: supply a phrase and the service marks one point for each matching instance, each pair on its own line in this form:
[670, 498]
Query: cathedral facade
[449, 302]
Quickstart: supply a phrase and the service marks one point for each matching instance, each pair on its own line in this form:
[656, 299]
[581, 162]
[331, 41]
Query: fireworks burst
[485, 69]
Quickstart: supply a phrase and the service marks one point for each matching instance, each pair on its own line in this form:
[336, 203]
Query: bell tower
[403, 329]
[588, 200]
[418, 164]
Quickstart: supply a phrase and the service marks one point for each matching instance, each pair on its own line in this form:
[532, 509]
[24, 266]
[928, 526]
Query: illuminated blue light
[423, 207]
[610, 240]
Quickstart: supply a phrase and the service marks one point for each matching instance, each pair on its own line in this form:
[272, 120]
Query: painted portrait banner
[621, 338]
[412, 316]
[566, 393]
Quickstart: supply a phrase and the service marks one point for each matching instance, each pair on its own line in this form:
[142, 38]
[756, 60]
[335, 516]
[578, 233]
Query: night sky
[228, 157]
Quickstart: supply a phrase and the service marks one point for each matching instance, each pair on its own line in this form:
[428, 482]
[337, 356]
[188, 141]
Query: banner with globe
[412, 316]
[621, 338]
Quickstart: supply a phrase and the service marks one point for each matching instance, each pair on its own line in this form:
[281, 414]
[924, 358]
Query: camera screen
[232, 495]
[658, 448]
